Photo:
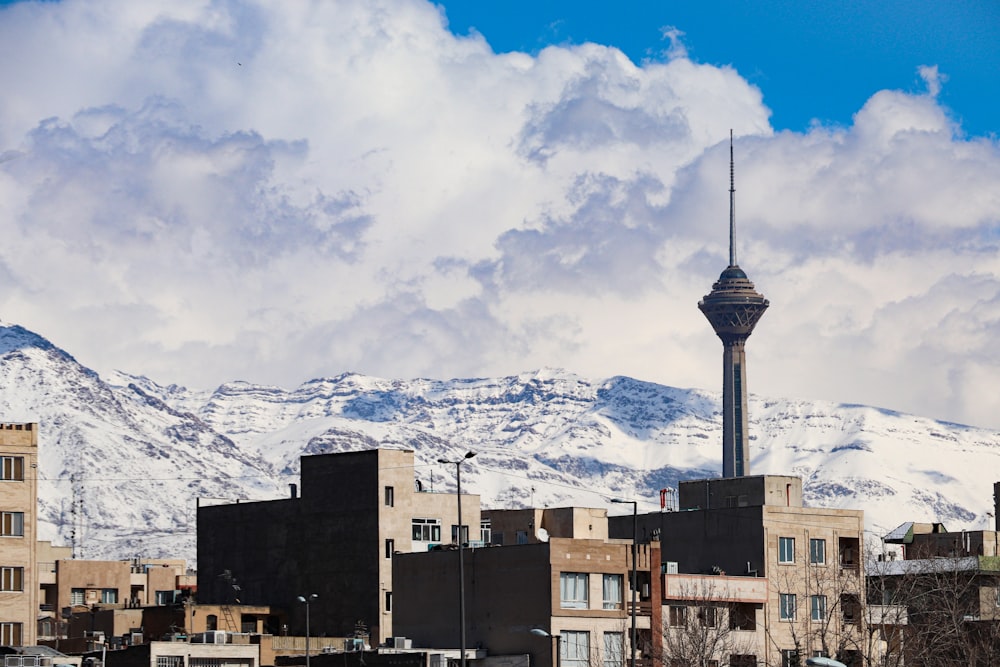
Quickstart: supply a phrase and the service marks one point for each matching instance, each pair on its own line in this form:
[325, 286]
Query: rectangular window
[454, 534]
[390, 546]
[817, 552]
[109, 595]
[169, 661]
[707, 617]
[522, 537]
[678, 616]
[12, 468]
[573, 591]
[484, 531]
[574, 648]
[165, 597]
[76, 596]
[12, 579]
[390, 496]
[789, 658]
[12, 524]
[427, 530]
[787, 612]
[613, 649]
[786, 549]
[10, 634]
[818, 605]
[613, 591]
[388, 600]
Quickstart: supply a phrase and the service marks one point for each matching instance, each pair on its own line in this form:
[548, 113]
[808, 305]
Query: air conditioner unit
[402, 642]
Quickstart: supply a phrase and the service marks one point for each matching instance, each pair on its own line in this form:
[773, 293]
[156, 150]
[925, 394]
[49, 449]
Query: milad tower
[733, 309]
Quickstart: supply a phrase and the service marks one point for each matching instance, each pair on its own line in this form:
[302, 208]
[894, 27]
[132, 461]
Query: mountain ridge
[124, 460]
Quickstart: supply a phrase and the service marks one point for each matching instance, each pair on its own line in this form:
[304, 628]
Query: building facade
[18, 533]
[573, 593]
[757, 527]
[336, 541]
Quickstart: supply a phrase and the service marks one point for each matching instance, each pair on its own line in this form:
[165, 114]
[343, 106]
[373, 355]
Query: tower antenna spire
[732, 203]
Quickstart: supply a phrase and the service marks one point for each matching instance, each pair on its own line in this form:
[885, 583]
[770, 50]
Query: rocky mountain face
[125, 461]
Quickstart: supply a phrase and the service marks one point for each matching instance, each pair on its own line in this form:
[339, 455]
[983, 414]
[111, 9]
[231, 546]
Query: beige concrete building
[337, 541]
[757, 527]
[186, 654]
[573, 589]
[71, 588]
[18, 533]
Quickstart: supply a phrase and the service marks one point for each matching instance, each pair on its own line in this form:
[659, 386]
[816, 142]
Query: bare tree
[704, 628]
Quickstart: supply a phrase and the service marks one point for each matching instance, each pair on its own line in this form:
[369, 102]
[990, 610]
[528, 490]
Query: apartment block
[758, 528]
[574, 593]
[337, 541]
[18, 533]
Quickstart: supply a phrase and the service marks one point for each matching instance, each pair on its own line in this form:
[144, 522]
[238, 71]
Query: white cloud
[205, 191]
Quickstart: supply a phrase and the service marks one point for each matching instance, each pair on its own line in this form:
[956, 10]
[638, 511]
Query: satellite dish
[542, 535]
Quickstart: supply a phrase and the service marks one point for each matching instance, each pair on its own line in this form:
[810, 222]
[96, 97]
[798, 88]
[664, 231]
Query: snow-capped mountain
[124, 461]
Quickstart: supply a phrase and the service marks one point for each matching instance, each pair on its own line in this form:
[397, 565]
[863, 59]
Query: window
[76, 596]
[427, 530]
[497, 537]
[742, 616]
[786, 549]
[789, 658]
[613, 591]
[390, 546]
[678, 616]
[211, 622]
[484, 531]
[12, 524]
[166, 597]
[574, 649]
[787, 607]
[613, 649]
[388, 601]
[817, 551]
[707, 617]
[12, 579]
[390, 496]
[12, 468]
[522, 537]
[454, 534]
[573, 591]
[169, 661]
[818, 605]
[109, 595]
[10, 634]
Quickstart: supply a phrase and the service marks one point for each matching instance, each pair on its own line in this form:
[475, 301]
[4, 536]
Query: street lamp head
[538, 632]
[469, 454]
[623, 502]
[443, 461]
[304, 600]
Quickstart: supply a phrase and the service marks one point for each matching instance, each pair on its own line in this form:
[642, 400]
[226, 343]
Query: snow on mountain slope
[143, 454]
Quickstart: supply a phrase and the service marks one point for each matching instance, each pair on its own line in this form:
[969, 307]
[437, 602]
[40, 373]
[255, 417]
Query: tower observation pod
[733, 308]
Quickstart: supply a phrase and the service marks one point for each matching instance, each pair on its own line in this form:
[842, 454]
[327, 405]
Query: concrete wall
[572, 522]
[720, 493]
[509, 590]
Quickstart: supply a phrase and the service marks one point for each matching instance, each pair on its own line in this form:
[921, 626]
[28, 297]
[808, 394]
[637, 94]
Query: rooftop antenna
[732, 204]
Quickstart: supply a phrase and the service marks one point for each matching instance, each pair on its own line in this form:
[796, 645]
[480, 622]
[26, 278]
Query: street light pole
[461, 559]
[556, 639]
[307, 601]
[635, 582]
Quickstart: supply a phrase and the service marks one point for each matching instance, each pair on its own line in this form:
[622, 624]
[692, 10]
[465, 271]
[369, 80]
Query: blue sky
[203, 190]
[812, 60]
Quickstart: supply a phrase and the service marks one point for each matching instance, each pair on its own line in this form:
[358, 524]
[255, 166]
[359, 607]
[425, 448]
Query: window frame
[11, 633]
[12, 579]
[432, 526]
[817, 551]
[574, 648]
[11, 524]
[786, 550]
[12, 468]
[617, 602]
[817, 607]
[107, 594]
[581, 584]
[787, 606]
[390, 496]
[613, 654]
[677, 616]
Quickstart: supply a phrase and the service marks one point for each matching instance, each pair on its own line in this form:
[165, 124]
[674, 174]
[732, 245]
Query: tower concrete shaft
[733, 309]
